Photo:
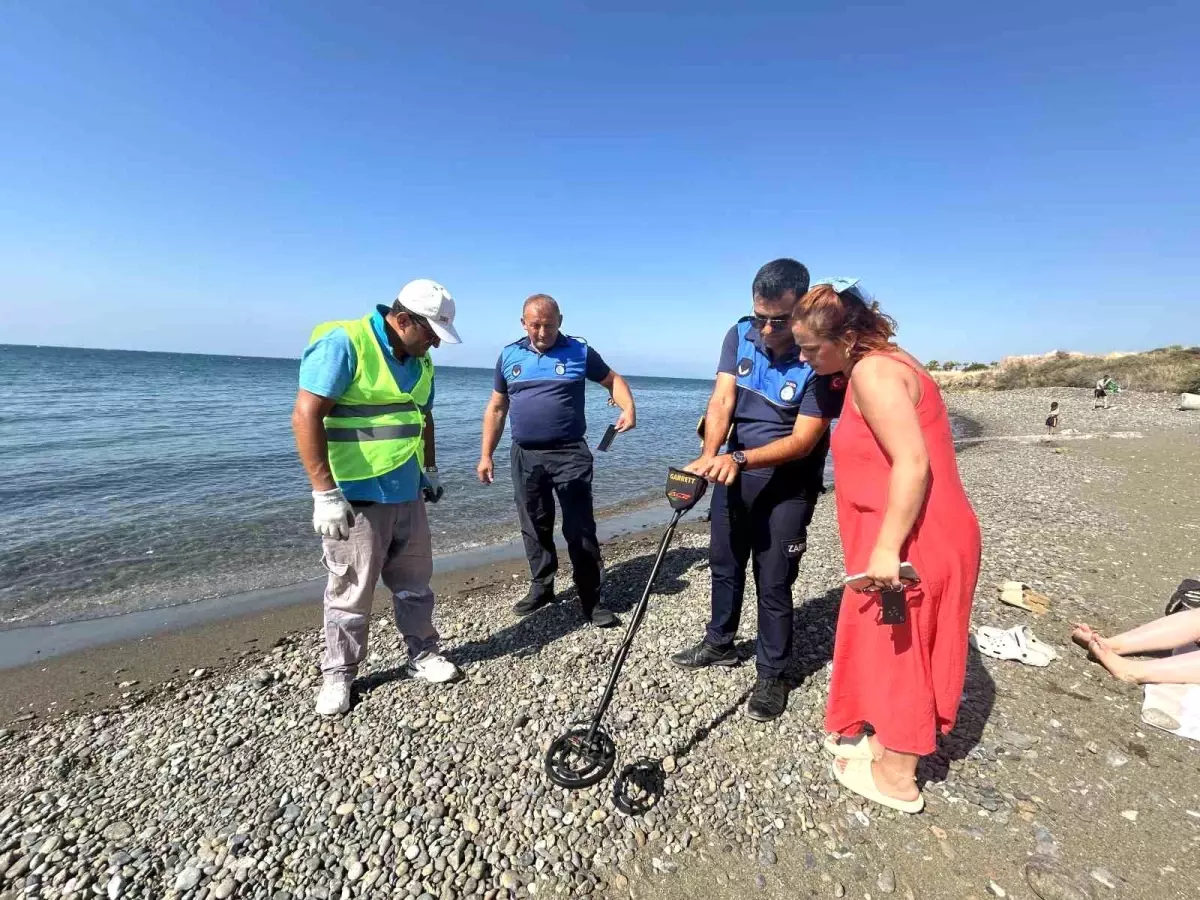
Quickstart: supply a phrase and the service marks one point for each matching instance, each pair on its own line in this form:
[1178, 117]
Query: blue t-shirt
[546, 390]
[771, 393]
[327, 369]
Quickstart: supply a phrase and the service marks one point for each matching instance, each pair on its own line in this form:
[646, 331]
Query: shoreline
[22, 644]
[91, 664]
[25, 644]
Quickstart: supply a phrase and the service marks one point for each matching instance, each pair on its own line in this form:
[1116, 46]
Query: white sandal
[857, 749]
[1022, 596]
[1011, 644]
[857, 776]
[1035, 642]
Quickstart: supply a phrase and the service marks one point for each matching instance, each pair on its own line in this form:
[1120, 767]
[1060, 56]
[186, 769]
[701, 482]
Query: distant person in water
[364, 429]
[1052, 419]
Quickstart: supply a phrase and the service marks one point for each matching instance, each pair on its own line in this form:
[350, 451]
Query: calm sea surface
[138, 480]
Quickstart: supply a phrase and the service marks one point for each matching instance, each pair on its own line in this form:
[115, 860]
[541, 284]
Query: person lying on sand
[1166, 634]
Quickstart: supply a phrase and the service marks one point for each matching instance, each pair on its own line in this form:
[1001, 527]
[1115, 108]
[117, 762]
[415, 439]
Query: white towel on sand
[1174, 707]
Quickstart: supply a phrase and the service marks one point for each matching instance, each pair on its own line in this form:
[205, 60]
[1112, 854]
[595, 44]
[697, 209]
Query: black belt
[549, 445]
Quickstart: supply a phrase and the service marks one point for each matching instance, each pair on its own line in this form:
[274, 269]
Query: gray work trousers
[388, 540]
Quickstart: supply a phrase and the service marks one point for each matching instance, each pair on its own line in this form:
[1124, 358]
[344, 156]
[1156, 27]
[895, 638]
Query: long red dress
[905, 680]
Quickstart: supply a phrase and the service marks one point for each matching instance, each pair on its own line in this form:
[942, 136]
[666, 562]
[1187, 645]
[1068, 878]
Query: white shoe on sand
[334, 698]
[431, 666]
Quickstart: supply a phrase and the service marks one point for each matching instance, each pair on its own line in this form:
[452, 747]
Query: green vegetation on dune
[1167, 370]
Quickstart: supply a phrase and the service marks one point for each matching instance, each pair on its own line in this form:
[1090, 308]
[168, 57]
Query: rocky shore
[222, 782]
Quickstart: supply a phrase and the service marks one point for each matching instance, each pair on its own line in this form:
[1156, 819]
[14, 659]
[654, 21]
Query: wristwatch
[740, 458]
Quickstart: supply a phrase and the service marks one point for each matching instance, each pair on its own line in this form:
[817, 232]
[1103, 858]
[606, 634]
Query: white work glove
[333, 517]
[431, 485]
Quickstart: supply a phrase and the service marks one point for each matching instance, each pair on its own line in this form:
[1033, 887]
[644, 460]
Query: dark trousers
[539, 475]
[764, 520]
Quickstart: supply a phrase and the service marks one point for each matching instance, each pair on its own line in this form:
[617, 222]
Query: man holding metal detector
[541, 379]
[773, 413]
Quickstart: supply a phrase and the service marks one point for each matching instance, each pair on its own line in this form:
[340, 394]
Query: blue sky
[219, 177]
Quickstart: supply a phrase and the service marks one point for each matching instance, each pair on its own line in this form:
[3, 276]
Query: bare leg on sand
[1166, 633]
[1183, 668]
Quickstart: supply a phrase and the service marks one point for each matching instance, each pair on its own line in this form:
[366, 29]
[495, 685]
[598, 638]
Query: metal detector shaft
[635, 622]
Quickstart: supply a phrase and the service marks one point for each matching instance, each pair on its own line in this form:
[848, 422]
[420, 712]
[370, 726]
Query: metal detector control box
[684, 489]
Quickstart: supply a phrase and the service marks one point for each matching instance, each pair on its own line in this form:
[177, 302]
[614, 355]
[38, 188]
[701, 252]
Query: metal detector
[584, 755]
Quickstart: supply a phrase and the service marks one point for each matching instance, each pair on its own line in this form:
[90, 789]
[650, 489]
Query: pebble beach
[219, 781]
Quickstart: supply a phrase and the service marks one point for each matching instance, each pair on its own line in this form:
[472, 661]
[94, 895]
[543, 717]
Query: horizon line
[289, 358]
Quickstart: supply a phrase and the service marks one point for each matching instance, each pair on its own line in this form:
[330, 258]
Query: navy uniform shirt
[546, 390]
[770, 394]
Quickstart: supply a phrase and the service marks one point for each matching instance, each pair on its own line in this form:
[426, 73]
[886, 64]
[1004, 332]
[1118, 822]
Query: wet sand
[53, 670]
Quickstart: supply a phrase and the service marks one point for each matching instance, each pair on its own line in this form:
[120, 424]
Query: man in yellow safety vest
[364, 431]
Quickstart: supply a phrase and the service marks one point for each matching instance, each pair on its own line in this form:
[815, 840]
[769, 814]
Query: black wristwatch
[740, 458]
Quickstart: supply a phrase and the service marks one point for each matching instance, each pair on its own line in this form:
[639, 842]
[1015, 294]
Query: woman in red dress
[899, 499]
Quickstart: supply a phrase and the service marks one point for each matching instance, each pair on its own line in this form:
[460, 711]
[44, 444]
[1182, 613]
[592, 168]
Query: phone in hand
[606, 441]
[908, 577]
[895, 610]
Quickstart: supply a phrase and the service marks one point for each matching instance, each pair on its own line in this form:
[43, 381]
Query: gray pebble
[188, 879]
[886, 881]
[117, 831]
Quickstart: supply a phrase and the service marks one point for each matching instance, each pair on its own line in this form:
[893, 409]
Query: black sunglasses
[419, 319]
[774, 321]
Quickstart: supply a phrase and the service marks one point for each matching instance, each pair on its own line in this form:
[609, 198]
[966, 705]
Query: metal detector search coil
[585, 754]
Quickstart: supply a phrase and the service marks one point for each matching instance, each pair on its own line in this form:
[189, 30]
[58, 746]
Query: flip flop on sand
[1011, 644]
[859, 749]
[1022, 596]
[858, 777]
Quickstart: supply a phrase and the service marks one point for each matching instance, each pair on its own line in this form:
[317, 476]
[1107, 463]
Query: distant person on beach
[772, 414]
[541, 380]
[1052, 419]
[899, 499]
[1104, 385]
[364, 429]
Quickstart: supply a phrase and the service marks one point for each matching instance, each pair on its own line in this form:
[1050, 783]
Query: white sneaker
[334, 698]
[431, 666]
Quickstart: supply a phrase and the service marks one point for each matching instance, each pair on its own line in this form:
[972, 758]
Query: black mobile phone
[606, 441]
[895, 610]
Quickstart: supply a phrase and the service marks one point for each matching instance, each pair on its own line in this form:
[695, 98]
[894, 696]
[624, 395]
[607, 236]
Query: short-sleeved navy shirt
[771, 392]
[546, 390]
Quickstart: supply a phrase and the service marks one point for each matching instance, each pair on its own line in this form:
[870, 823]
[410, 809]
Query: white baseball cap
[432, 302]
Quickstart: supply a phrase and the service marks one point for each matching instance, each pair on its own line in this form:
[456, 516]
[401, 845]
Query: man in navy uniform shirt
[774, 413]
[541, 379]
